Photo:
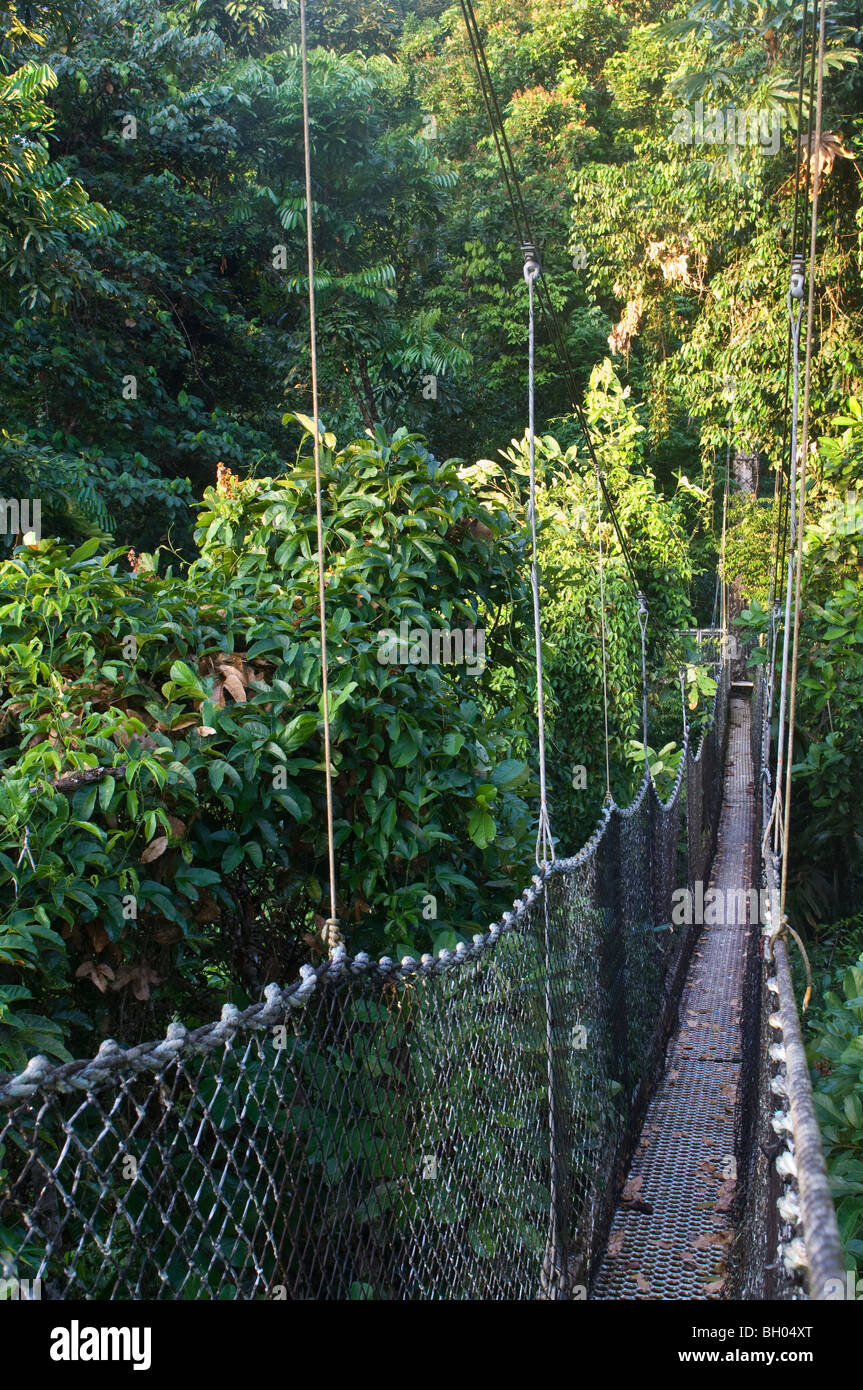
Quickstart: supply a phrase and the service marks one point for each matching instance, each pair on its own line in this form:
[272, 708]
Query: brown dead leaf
[208, 911]
[140, 977]
[206, 730]
[715, 1287]
[674, 1076]
[725, 1195]
[822, 153]
[99, 938]
[632, 1190]
[709, 1240]
[178, 827]
[99, 974]
[154, 849]
[233, 684]
[642, 1283]
[615, 1244]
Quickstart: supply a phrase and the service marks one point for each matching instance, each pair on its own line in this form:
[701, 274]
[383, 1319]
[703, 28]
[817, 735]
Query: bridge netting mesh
[454, 1127]
[450, 1127]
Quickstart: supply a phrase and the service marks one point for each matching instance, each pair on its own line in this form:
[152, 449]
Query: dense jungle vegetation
[155, 382]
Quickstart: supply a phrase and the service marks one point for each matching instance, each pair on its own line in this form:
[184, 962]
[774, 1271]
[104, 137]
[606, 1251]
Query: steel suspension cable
[794, 320]
[785, 515]
[544, 840]
[815, 167]
[804, 200]
[642, 623]
[331, 930]
[602, 625]
[528, 244]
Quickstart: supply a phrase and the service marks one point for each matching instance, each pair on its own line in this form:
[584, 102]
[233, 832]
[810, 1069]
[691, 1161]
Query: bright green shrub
[199, 868]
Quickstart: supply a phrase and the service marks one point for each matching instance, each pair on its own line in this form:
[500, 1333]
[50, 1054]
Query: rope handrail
[816, 1253]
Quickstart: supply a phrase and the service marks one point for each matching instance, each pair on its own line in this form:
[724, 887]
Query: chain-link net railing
[437, 1128]
[791, 1246]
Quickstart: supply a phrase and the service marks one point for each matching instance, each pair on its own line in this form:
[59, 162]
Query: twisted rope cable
[333, 936]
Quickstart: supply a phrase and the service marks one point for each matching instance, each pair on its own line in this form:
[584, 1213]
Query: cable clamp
[531, 261]
[798, 278]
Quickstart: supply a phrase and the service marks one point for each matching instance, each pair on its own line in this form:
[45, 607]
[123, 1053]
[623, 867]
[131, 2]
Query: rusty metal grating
[671, 1235]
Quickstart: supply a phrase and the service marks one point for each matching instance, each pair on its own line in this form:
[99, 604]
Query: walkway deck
[672, 1231]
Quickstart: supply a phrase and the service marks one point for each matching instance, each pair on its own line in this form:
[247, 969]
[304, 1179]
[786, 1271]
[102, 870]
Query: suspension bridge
[591, 1100]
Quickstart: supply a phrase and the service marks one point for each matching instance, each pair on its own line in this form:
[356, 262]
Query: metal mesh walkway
[672, 1232]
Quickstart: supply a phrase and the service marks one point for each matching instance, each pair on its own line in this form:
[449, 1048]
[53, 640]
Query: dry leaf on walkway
[725, 1196]
[712, 1240]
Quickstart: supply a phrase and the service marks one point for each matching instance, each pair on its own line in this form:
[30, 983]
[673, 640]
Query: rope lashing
[642, 623]
[544, 840]
[785, 929]
[602, 624]
[332, 933]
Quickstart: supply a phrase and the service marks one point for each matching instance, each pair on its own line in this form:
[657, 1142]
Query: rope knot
[332, 935]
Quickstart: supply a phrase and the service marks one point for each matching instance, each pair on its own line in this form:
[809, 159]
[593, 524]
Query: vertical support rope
[332, 933]
[642, 623]
[544, 841]
[794, 321]
[554, 1273]
[602, 621]
[723, 590]
[815, 166]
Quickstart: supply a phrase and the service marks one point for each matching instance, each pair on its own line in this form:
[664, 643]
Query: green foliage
[571, 600]
[748, 546]
[170, 333]
[200, 692]
[835, 1052]
[828, 766]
